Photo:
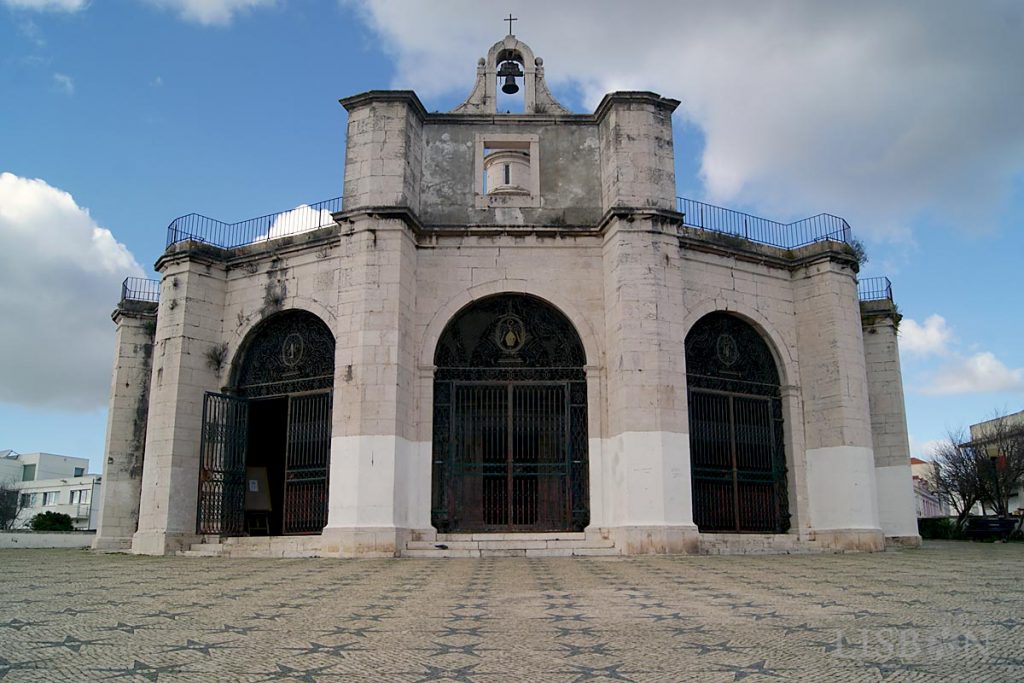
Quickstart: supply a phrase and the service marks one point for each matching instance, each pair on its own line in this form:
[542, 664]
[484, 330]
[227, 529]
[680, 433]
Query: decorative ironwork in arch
[510, 420]
[737, 452]
[510, 336]
[290, 352]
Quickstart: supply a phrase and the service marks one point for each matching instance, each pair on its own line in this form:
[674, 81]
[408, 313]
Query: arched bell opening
[737, 452]
[510, 420]
[265, 450]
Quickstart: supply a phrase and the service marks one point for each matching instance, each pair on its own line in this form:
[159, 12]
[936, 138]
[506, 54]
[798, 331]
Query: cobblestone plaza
[949, 611]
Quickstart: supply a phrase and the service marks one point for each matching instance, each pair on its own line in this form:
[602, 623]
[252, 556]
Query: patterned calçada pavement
[946, 612]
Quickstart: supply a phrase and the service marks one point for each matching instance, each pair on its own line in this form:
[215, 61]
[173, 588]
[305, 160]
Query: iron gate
[222, 465]
[735, 462]
[221, 507]
[512, 456]
[306, 463]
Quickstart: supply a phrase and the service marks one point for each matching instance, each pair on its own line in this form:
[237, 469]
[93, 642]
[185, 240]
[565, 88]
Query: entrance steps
[559, 544]
[257, 546]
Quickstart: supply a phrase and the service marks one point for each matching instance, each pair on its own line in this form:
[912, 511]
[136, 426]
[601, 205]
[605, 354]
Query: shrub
[51, 521]
[937, 528]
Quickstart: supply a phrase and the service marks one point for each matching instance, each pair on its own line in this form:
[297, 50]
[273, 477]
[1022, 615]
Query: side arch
[784, 354]
[737, 427]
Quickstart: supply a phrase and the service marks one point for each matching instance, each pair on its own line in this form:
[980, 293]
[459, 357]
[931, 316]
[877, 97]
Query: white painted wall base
[896, 511]
[112, 544]
[161, 542]
[842, 490]
[644, 480]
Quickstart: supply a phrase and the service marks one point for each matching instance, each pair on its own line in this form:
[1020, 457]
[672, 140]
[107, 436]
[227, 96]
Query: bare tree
[999, 447]
[10, 505]
[956, 474]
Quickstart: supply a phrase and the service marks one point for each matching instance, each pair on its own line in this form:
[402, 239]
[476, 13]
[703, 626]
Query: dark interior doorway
[266, 448]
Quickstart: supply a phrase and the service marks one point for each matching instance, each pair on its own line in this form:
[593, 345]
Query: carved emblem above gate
[291, 349]
[728, 351]
[510, 333]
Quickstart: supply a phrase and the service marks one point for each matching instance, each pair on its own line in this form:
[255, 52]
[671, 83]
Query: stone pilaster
[891, 443]
[374, 456]
[188, 330]
[843, 504]
[637, 157]
[384, 154]
[646, 453]
[126, 425]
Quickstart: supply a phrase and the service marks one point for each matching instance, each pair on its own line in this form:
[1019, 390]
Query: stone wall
[127, 417]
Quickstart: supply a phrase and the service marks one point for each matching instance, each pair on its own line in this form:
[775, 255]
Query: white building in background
[48, 482]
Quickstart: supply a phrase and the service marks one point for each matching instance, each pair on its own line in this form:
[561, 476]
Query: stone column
[840, 463]
[187, 332]
[645, 458]
[896, 510]
[375, 458]
[126, 425]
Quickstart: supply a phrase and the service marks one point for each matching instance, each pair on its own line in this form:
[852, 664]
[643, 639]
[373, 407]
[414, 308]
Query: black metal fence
[874, 289]
[140, 289]
[302, 218]
[824, 226]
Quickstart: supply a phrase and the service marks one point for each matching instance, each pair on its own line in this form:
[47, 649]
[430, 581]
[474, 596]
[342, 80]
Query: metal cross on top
[510, 20]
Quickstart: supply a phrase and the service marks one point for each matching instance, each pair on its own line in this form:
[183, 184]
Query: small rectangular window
[508, 175]
[28, 473]
[79, 471]
[26, 500]
[50, 498]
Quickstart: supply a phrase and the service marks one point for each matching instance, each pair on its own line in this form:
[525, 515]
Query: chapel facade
[508, 336]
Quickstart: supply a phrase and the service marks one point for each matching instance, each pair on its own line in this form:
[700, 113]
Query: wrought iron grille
[736, 429]
[302, 218]
[510, 434]
[307, 463]
[222, 465]
[800, 233]
[140, 289]
[874, 289]
[288, 353]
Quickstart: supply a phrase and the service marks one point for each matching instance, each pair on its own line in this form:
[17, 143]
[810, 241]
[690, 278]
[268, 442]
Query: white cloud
[302, 218]
[211, 12]
[61, 279]
[47, 5]
[64, 83]
[874, 110]
[979, 373]
[932, 337]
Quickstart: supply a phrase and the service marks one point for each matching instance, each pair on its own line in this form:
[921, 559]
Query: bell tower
[510, 59]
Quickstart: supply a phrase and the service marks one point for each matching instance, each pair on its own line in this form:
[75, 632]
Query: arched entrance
[266, 445]
[737, 455]
[510, 420]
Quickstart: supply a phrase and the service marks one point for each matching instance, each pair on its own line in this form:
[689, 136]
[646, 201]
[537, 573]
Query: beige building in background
[509, 336]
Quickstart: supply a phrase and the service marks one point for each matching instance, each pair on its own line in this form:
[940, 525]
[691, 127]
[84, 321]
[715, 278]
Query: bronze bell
[509, 70]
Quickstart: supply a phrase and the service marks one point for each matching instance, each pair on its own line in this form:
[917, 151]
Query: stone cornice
[409, 98]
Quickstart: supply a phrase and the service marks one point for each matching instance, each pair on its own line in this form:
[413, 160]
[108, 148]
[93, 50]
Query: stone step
[510, 536]
[517, 544]
[198, 553]
[510, 552]
[207, 546]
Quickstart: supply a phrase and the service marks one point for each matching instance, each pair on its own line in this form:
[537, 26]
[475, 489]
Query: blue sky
[904, 118]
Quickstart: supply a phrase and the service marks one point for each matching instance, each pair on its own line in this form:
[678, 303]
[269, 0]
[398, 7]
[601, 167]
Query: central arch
[510, 420]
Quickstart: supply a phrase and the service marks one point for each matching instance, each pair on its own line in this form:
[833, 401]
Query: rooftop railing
[800, 233]
[302, 218]
[874, 289]
[140, 289]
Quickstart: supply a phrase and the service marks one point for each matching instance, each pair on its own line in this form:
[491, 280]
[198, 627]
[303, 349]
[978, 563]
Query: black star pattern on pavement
[338, 650]
[755, 669]
[140, 668]
[196, 646]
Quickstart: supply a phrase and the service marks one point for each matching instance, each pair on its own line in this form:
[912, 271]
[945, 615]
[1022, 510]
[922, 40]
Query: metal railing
[302, 218]
[140, 289]
[874, 289]
[800, 233]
